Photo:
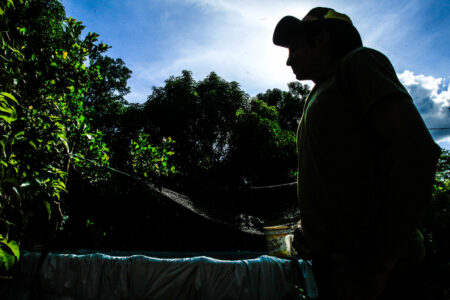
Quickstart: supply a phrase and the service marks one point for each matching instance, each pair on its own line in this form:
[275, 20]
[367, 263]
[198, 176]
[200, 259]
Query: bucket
[279, 240]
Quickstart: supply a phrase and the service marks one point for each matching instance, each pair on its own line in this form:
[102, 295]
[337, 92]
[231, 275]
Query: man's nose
[288, 62]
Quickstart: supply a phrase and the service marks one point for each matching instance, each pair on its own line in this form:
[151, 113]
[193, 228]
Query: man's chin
[302, 77]
[299, 77]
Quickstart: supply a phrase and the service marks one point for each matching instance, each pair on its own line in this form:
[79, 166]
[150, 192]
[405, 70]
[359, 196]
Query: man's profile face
[301, 59]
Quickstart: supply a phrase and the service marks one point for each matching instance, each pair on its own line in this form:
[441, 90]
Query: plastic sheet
[101, 276]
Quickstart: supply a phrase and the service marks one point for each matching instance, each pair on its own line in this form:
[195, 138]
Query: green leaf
[8, 95]
[12, 245]
[20, 133]
[6, 258]
[7, 110]
[66, 145]
[49, 209]
[59, 184]
[7, 119]
[32, 144]
[89, 223]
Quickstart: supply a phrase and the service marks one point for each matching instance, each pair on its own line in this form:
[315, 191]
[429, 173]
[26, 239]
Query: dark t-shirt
[342, 165]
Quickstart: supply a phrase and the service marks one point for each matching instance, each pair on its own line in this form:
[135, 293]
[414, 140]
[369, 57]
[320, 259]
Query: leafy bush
[436, 229]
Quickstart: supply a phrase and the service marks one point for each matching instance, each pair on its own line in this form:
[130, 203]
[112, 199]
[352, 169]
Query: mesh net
[244, 209]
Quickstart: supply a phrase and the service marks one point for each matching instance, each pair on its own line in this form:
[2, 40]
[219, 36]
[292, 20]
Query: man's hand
[358, 280]
[299, 243]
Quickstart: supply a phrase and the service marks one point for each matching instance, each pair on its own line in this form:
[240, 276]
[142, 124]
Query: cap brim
[287, 28]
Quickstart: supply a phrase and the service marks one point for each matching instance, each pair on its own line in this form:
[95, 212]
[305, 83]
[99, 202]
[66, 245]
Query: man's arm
[412, 157]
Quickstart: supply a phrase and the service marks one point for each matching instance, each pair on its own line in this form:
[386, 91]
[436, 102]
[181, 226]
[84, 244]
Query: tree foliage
[289, 103]
[199, 116]
[224, 137]
[263, 153]
[47, 73]
[57, 89]
[149, 158]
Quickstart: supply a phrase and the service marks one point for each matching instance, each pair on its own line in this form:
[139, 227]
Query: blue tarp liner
[102, 276]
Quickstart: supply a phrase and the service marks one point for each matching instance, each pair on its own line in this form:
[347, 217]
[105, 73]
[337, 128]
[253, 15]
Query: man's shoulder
[363, 53]
[365, 50]
[364, 60]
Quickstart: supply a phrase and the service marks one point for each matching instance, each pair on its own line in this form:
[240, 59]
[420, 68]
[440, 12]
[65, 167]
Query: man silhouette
[366, 162]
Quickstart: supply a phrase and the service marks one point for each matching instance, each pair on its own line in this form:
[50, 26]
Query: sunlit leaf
[8, 95]
[49, 209]
[12, 245]
[25, 184]
[16, 192]
[6, 258]
[7, 119]
[7, 110]
[19, 134]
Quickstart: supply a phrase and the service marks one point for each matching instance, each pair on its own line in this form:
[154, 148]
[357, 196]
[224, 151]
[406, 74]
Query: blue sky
[233, 38]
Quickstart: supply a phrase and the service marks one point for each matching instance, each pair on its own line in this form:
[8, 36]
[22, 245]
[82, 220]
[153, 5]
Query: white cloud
[432, 98]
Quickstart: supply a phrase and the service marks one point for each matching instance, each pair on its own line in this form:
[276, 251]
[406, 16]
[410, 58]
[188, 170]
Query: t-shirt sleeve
[367, 76]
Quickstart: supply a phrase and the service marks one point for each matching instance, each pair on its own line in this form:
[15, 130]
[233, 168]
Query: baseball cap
[289, 26]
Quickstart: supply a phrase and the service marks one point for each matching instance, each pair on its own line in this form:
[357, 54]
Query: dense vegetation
[64, 120]
[58, 90]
